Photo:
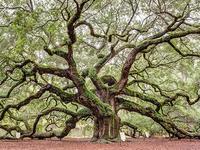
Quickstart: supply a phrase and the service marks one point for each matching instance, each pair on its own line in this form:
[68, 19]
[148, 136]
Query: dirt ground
[84, 144]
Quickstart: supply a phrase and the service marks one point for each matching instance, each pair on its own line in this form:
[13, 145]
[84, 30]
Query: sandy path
[80, 144]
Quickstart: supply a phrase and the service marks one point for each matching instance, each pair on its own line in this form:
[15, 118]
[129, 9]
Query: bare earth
[84, 144]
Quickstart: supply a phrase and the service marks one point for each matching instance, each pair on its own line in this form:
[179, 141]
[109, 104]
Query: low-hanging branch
[143, 97]
[70, 123]
[24, 102]
[167, 124]
[31, 133]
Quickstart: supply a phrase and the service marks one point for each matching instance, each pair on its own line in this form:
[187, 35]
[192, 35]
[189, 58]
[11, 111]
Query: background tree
[67, 60]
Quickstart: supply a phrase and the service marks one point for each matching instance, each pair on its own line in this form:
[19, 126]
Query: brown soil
[84, 144]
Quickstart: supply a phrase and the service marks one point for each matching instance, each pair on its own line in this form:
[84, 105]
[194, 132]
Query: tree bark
[106, 129]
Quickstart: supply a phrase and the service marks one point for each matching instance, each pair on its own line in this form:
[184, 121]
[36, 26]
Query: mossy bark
[106, 129]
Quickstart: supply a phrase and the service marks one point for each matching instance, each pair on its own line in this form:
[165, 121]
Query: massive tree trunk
[107, 128]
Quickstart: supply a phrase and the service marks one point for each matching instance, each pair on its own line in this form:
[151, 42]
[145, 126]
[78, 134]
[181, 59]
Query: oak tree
[101, 57]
